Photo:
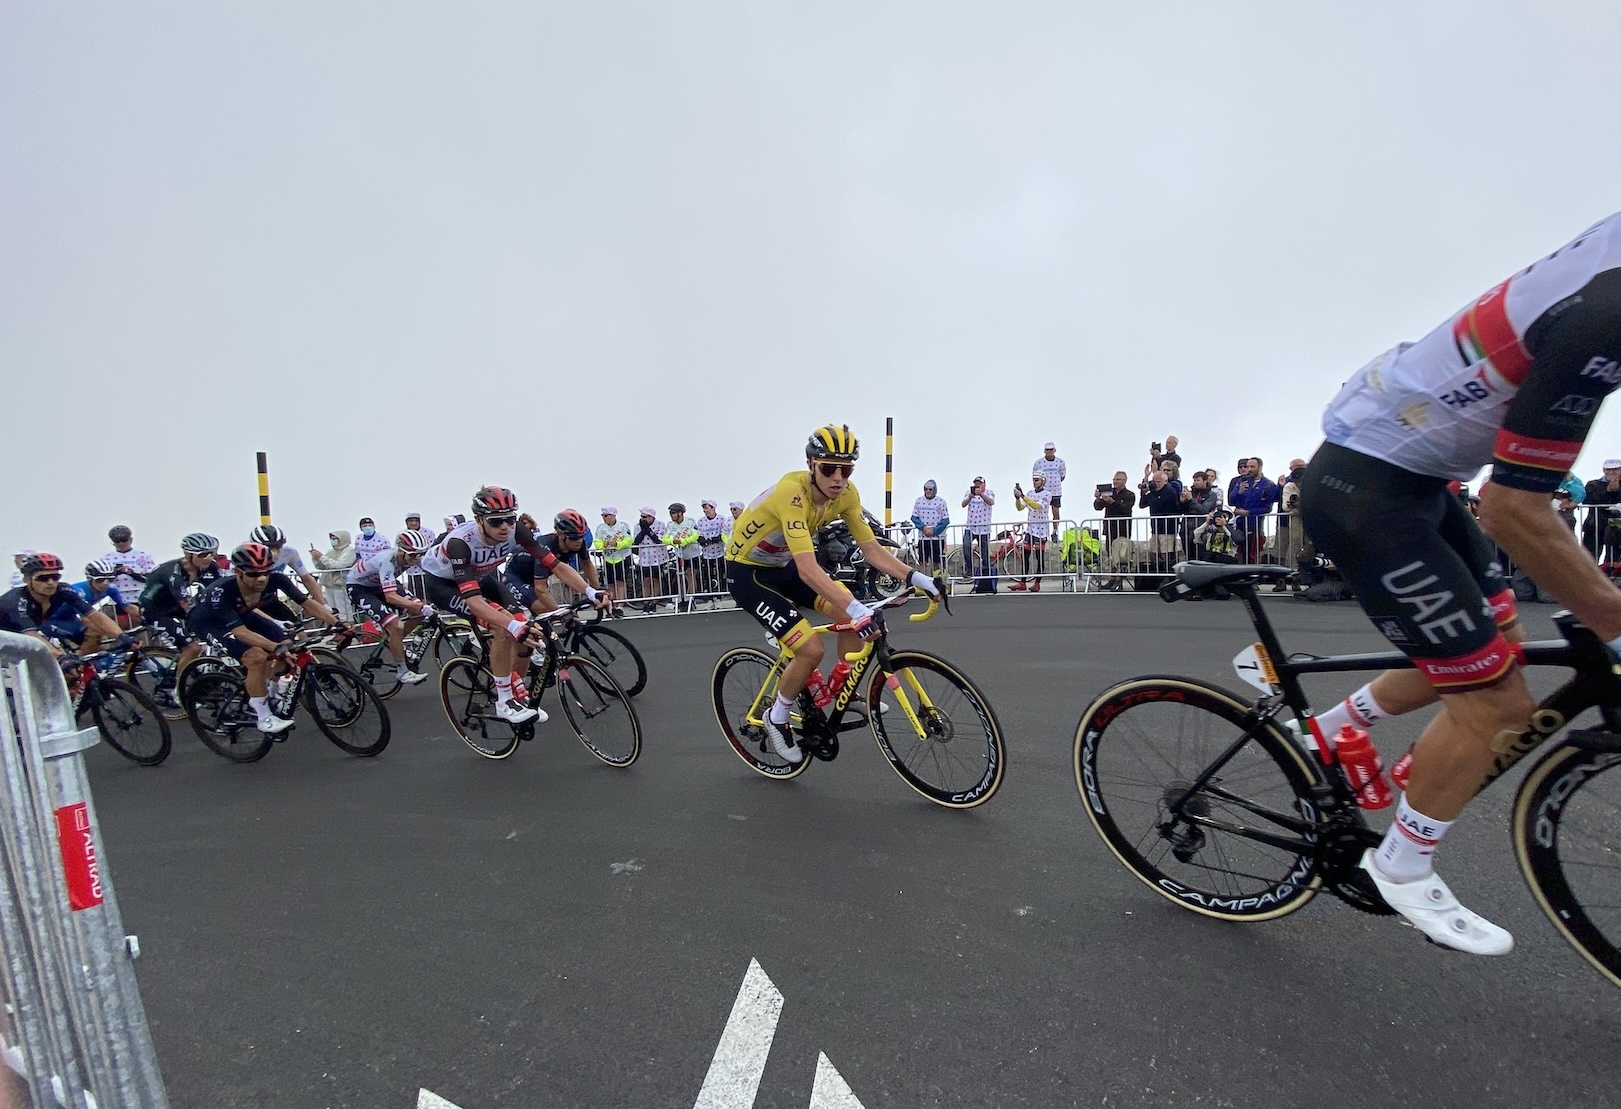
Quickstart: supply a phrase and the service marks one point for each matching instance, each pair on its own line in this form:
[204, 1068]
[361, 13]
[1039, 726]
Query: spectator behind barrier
[1052, 468]
[931, 515]
[1115, 501]
[1602, 497]
[1162, 496]
[1252, 497]
[1291, 533]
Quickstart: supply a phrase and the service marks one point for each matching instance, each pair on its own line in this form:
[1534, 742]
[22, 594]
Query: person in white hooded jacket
[332, 567]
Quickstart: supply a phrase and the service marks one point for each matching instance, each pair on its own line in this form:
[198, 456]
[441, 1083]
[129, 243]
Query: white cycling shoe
[1428, 905]
[410, 677]
[513, 712]
[781, 738]
[273, 725]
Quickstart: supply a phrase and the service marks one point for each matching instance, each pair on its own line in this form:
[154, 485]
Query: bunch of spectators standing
[655, 562]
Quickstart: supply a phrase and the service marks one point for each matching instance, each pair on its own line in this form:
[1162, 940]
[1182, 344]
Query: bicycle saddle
[1196, 577]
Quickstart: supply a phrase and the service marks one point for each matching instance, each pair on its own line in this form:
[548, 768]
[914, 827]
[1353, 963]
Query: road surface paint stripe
[734, 1075]
[830, 1090]
[426, 1099]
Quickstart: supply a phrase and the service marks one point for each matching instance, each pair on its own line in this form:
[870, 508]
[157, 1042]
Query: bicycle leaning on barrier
[1211, 802]
[932, 723]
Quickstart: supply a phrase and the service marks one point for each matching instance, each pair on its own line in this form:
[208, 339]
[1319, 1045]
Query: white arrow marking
[734, 1075]
[830, 1090]
[427, 1099]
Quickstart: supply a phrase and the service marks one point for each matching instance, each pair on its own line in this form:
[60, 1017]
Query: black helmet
[569, 524]
[120, 534]
[270, 535]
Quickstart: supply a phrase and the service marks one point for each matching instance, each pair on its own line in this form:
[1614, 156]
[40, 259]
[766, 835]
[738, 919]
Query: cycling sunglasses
[47, 577]
[500, 521]
[99, 580]
[828, 469]
[254, 573]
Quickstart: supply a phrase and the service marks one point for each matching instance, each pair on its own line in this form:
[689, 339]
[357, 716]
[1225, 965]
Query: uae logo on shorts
[1393, 631]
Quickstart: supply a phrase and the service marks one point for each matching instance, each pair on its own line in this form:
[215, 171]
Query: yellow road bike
[931, 722]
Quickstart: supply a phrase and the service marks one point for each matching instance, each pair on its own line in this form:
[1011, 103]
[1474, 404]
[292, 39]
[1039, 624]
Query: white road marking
[630, 867]
[734, 1074]
[427, 1099]
[831, 1091]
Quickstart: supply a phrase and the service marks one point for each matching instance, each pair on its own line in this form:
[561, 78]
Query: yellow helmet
[833, 443]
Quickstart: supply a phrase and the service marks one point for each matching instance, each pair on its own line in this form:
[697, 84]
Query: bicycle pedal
[525, 732]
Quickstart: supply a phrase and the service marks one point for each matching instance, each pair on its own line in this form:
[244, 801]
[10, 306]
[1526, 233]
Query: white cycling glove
[922, 581]
[518, 628]
[592, 594]
[858, 613]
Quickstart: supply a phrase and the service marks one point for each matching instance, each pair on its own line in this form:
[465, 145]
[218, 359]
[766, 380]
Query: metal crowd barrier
[1141, 552]
[1018, 556]
[73, 1027]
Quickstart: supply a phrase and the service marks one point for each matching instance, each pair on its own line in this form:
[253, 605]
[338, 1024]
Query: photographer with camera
[1601, 534]
[1115, 501]
[1037, 503]
[1161, 494]
[977, 532]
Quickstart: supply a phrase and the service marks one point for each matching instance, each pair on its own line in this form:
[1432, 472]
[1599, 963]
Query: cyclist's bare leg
[797, 672]
[1457, 751]
[256, 662]
[394, 633]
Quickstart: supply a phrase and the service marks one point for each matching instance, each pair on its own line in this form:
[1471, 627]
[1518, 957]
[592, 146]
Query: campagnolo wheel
[346, 709]
[599, 711]
[468, 694]
[218, 707]
[1138, 749]
[937, 730]
[455, 638]
[736, 688]
[1567, 837]
[130, 722]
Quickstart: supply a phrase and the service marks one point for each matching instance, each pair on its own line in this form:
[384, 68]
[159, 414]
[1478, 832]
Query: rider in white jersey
[1514, 380]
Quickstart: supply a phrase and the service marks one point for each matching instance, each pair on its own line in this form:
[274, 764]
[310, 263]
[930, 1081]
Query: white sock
[503, 688]
[779, 710]
[402, 667]
[260, 707]
[1408, 850]
[1359, 708]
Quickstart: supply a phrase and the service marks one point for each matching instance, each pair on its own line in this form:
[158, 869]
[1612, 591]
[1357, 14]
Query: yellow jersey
[783, 521]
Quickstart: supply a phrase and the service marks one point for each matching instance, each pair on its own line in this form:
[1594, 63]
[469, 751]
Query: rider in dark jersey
[1514, 380]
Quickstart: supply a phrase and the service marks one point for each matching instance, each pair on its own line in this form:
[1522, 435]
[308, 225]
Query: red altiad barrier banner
[79, 862]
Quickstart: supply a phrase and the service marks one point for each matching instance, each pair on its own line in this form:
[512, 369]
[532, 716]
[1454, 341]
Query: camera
[1104, 488]
[1156, 447]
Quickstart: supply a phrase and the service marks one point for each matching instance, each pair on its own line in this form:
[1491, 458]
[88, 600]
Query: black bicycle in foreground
[1212, 803]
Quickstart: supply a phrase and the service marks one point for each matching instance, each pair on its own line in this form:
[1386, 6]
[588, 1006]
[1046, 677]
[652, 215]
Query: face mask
[368, 532]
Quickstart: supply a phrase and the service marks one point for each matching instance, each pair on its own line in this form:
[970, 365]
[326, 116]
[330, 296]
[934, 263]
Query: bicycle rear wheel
[1138, 749]
[130, 722]
[153, 671]
[1567, 837]
[615, 654]
[346, 709]
[468, 693]
[194, 670]
[937, 730]
[739, 675]
[218, 707]
[599, 711]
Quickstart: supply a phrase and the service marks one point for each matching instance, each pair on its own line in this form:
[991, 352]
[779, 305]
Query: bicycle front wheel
[130, 722]
[379, 672]
[743, 688]
[1567, 837]
[217, 703]
[599, 711]
[615, 654]
[455, 639]
[1140, 747]
[346, 709]
[937, 730]
[468, 693]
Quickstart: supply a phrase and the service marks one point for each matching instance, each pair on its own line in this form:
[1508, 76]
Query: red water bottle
[835, 680]
[1403, 767]
[821, 695]
[1362, 767]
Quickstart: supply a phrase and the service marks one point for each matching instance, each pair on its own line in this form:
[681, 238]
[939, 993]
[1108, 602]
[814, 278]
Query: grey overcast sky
[629, 253]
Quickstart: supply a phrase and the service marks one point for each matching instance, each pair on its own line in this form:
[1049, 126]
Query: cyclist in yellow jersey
[772, 573]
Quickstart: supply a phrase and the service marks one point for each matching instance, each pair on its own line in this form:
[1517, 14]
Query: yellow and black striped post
[889, 470]
[264, 488]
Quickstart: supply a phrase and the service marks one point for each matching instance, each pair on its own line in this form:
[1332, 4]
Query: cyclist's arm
[400, 601]
[1538, 541]
[312, 586]
[571, 578]
[318, 610]
[243, 634]
[99, 622]
[879, 558]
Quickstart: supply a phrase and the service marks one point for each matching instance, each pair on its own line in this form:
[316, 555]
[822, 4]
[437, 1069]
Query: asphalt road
[321, 930]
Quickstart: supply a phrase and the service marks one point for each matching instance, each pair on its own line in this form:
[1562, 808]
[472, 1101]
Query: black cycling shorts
[773, 595]
[253, 621]
[1418, 563]
[370, 604]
